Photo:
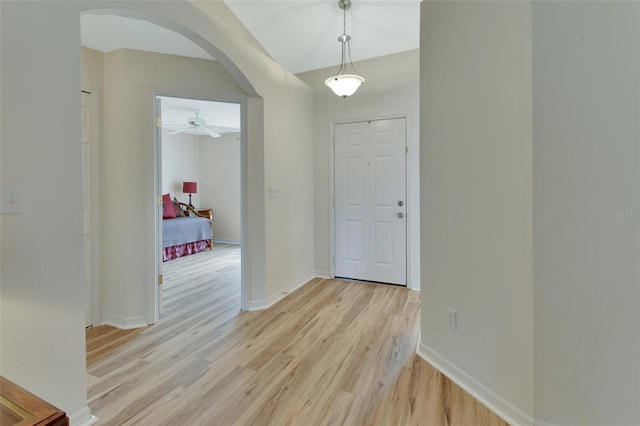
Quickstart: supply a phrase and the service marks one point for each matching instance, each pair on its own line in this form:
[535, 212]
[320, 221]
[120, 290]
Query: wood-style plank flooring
[331, 353]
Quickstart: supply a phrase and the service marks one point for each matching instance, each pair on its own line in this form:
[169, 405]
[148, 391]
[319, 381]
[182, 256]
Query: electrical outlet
[273, 192]
[452, 319]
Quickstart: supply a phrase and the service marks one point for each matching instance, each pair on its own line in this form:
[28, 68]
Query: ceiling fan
[197, 124]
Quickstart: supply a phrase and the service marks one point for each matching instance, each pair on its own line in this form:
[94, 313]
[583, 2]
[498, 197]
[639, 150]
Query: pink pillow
[167, 207]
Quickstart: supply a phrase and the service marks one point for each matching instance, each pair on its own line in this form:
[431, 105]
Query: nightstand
[205, 212]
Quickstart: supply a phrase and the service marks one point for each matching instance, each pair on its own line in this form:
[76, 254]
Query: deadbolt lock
[400, 203]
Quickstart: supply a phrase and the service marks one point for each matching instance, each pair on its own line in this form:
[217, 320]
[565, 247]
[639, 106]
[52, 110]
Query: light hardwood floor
[331, 353]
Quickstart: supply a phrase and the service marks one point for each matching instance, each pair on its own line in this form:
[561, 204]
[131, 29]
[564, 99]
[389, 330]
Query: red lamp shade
[190, 187]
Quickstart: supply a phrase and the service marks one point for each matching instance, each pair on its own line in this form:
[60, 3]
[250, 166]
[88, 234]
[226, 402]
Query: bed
[184, 233]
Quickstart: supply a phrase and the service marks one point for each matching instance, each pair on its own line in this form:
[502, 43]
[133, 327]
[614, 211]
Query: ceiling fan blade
[184, 129]
[211, 133]
[223, 129]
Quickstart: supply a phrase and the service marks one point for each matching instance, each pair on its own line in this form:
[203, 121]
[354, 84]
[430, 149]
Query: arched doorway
[116, 266]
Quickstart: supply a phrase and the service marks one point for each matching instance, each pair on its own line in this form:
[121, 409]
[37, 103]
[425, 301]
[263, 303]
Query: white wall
[220, 176]
[181, 163]
[476, 192]
[380, 96]
[215, 165]
[586, 199]
[41, 256]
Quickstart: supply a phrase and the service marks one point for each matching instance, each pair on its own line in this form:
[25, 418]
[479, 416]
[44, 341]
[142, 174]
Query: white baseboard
[323, 274]
[494, 402]
[258, 305]
[124, 323]
[226, 241]
[82, 418]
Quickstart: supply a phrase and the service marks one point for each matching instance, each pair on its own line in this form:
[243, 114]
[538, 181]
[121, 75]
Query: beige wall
[476, 191]
[220, 174]
[288, 153]
[586, 200]
[380, 96]
[531, 231]
[131, 78]
[92, 70]
[41, 271]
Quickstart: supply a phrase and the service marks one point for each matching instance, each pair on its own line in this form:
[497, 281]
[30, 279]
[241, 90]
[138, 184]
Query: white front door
[86, 207]
[370, 201]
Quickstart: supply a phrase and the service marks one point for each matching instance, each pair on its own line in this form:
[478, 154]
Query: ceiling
[301, 35]
[106, 33]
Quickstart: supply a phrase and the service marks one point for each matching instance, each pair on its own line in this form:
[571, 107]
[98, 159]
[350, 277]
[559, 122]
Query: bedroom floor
[332, 352]
[192, 280]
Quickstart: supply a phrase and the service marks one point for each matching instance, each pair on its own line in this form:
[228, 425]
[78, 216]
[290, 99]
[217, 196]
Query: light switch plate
[10, 200]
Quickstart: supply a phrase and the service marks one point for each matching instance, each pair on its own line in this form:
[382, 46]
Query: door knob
[400, 215]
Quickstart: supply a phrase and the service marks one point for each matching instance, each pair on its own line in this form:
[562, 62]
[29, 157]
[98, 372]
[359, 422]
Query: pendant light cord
[344, 31]
[348, 43]
[344, 21]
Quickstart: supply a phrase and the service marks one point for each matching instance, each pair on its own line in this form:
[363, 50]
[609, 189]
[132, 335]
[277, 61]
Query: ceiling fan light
[344, 84]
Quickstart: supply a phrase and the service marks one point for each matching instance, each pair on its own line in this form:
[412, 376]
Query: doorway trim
[157, 156]
[411, 235]
[94, 205]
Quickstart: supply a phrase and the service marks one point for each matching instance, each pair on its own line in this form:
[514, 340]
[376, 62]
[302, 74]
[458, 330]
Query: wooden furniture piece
[188, 211]
[204, 212]
[21, 408]
[200, 212]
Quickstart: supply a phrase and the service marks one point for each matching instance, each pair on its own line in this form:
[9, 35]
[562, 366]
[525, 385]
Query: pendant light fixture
[344, 84]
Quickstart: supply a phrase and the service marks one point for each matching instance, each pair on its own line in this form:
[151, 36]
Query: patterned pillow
[177, 208]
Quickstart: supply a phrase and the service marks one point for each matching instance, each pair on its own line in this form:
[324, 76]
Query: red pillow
[167, 207]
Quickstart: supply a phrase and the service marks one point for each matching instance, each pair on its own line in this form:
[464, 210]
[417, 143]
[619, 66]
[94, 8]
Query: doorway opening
[128, 249]
[199, 172]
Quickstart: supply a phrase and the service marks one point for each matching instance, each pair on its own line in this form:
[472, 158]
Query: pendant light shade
[344, 84]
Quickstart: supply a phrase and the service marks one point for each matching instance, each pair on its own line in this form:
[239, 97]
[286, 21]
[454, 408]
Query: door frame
[153, 296]
[94, 205]
[411, 179]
